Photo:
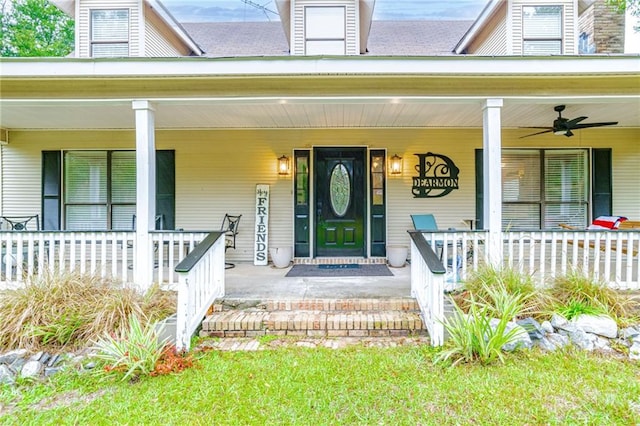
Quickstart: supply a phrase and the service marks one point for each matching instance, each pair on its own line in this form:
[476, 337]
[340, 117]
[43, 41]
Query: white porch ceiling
[277, 113]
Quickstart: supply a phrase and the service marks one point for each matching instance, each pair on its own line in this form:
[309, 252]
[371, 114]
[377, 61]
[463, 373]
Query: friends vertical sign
[262, 225]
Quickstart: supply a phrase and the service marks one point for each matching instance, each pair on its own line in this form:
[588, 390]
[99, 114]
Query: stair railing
[427, 286]
[200, 282]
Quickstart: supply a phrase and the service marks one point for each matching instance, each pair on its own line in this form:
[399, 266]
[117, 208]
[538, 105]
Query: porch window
[542, 30]
[99, 189]
[325, 30]
[109, 33]
[542, 188]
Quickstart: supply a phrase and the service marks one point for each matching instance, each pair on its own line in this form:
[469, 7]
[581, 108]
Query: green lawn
[349, 386]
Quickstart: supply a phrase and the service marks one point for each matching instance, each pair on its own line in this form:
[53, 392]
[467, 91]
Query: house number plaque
[437, 176]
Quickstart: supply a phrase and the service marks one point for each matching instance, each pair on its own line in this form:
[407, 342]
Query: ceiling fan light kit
[564, 126]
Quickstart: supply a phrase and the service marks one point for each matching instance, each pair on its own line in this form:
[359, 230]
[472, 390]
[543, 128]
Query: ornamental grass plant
[509, 282]
[72, 310]
[472, 336]
[577, 293]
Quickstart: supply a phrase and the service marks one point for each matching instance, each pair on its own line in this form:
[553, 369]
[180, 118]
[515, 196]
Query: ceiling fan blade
[549, 130]
[572, 123]
[587, 125]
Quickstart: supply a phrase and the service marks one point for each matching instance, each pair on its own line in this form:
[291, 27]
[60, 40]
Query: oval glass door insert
[340, 190]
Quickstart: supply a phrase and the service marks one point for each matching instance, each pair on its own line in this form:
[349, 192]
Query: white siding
[352, 24]
[569, 22]
[216, 171]
[83, 23]
[156, 45]
[496, 43]
[492, 40]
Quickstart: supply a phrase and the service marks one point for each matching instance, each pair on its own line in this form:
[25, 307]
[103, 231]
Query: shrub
[72, 310]
[471, 335]
[578, 291]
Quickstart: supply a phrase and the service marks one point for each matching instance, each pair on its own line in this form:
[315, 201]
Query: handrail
[430, 257]
[196, 254]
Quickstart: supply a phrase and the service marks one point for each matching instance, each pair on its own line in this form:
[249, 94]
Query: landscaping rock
[628, 333]
[583, 340]
[602, 325]
[634, 352]
[533, 327]
[552, 342]
[6, 375]
[602, 344]
[547, 327]
[558, 321]
[31, 369]
[521, 339]
[11, 356]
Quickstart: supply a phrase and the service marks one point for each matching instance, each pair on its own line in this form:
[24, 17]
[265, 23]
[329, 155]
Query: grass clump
[137, 351]
[72, 310]
[510, 282]
[576, 293]
[473, 336]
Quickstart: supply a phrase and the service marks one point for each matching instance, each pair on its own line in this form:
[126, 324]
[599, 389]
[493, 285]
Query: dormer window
[542, 30]
[325, 30]
[109, 33]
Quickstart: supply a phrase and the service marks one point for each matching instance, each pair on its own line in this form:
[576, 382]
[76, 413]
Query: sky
[238, 10]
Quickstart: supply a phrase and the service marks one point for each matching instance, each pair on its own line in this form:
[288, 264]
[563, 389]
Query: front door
[340, 200]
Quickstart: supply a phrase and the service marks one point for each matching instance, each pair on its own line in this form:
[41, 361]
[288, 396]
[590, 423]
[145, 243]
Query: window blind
[566, 187]
[542, 22]
[110, 25]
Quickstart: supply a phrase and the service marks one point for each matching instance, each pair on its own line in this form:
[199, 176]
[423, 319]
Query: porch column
[492, 166]
[145, 192]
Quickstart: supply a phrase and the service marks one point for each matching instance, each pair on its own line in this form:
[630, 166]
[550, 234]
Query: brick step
[328, 305]
[355, 323]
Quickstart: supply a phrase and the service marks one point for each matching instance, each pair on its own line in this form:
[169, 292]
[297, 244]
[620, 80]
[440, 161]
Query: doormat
[340, 270]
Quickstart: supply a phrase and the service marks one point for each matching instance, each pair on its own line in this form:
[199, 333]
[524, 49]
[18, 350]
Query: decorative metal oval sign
[340, 190]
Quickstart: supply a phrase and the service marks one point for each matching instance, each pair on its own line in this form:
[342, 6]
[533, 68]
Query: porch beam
[145, 191]
[492, 166]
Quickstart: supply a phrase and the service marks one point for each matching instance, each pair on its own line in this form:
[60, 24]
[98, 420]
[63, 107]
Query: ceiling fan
[564, 126]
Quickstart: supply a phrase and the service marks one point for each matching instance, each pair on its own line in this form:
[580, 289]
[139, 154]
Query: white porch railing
[427, 286]
[611, 256]
[201, 282]
[106, 254]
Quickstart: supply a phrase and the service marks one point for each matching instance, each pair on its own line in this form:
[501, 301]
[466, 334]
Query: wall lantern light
[395, 165]
[283, 165]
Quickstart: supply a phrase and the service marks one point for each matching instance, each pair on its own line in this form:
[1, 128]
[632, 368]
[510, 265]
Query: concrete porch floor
[247, 281]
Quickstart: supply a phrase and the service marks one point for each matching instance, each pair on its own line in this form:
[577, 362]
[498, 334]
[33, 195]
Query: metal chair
[229, 226]
[20, 223]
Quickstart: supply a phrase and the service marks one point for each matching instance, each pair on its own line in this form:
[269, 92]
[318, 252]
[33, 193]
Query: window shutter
[479, 189]
[602, 182]
[51, 190]
[166, 187]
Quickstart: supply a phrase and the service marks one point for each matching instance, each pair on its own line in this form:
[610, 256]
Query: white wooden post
[492, 169]
[145, 192]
